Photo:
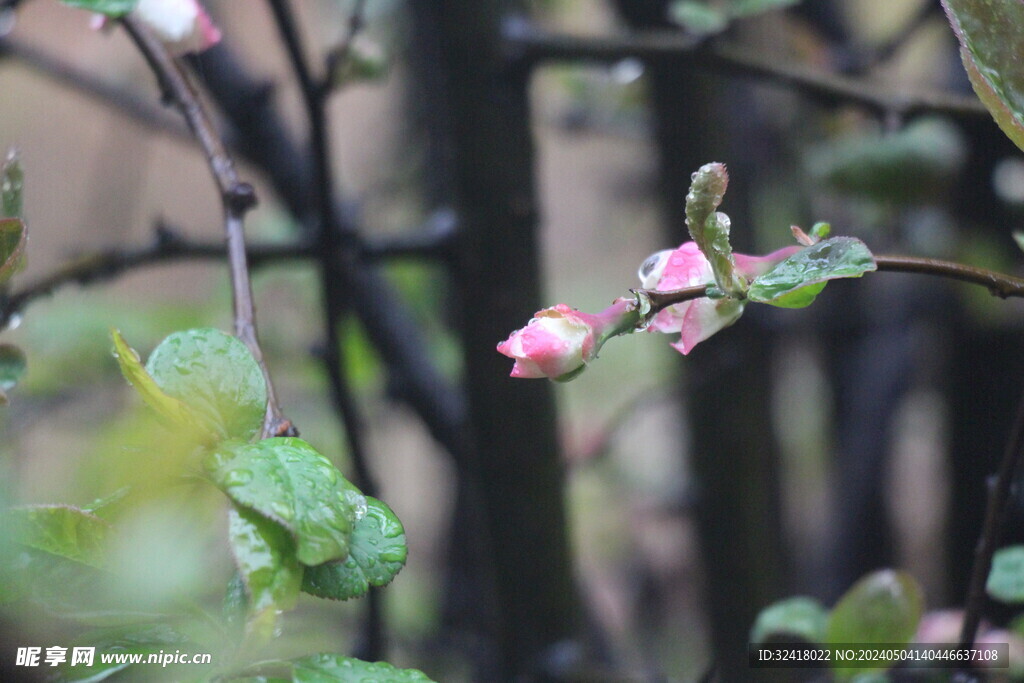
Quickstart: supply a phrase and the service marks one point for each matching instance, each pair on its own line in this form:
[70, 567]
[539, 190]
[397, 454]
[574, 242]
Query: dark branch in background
[168, 247]
[147, 115]
[333, 296]
[237, 198]
[891, 47]
[534, 47]
[995, 517]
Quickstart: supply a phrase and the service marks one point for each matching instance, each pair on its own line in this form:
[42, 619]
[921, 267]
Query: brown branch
[995, 517]
[1000, 285]
[237, 199]
[534, 46]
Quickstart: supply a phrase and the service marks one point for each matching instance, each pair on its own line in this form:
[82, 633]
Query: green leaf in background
[697, 17]
[797, 280]
[13, 236]
[326, 668]
[102, 505]
[61, 530]
[288, 481]
[991, 35]
[801, 617]
[917, 163]
[377, 552]
[216, 376]
[172, 411]
[11, 182]
[12, 367]
[746, 8]
[265, 556]
[111, 8]
[883, 607]
[1006, 579]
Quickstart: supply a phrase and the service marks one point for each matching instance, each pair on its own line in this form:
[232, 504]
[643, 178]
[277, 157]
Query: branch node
[241, 197]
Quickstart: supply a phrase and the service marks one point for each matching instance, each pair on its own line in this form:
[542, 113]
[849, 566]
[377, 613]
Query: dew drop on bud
[652, 268]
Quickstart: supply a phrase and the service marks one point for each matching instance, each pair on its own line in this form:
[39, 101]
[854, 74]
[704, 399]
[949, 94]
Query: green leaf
[915, 164]
[325, 668]
[287, 480]
[377, 552]
[821, 230]
[61, 530]
[11, 183]
[13, 235]
[795, 281]
[746, 8]
[265, 556]
[102, 505]
[12, 366]
[111, 8]
[707, 188]
[1006, 579]
[698, 17]
[799, 617]
[883, 607]
[216, 375]
[991, 36]
[173, 412]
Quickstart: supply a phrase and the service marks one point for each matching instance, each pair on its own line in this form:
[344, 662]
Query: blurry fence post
[497, 277]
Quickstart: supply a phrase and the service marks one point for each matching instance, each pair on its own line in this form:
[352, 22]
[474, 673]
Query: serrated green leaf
[215, 374]
[377, 552]
[800, 617]
[698, 17]
[883, 607]
[1006, 579]
[327, 668]
[797, 280]
[265, 556]
[991, 36]
[102, 505]
[111, 8]
[11, 184]
[172, 411]
[13, 236]
[61, 530]
[12, 366]
[287, 480]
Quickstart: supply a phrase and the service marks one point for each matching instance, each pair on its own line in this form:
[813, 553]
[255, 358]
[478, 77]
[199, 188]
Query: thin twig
[147, 115]
[1003, 286]
[335, 308]
[995, 517]
[237, 199]
[534, 46]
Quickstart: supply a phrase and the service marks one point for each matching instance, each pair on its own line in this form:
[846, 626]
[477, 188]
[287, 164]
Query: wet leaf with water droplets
[265, 556]
[797, 280]
[324, 668]
[288, 481]
[991, 38]
[172, 411]
[216, 375]
[12, 366]
[377, 552]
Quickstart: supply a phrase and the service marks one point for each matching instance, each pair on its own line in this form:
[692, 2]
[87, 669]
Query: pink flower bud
[698, 319]
[182, 25]
[560, 341]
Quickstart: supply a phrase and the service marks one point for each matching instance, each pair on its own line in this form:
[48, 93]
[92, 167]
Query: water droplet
[239, 477]
[282, 510]
[14, 322]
